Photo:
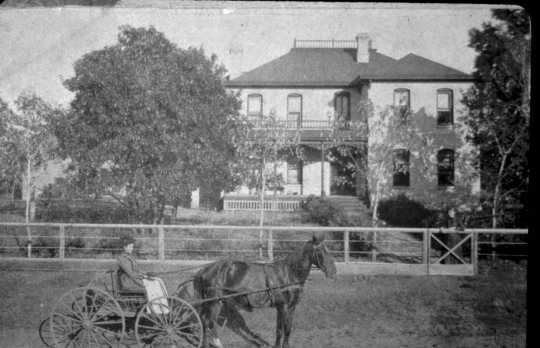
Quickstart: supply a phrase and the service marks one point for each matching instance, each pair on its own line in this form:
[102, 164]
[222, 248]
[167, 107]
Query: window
[445, 167]
[401, 167]
[445, 107]
[402, 103]
[254, 107]
[294, 110]
[294, 172]
[342, 103]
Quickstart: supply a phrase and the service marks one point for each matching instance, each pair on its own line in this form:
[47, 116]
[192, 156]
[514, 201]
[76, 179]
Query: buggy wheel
[45, 333]
[87, 317]
[169, 322]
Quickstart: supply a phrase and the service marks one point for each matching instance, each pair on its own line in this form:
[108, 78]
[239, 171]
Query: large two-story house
[319, 82]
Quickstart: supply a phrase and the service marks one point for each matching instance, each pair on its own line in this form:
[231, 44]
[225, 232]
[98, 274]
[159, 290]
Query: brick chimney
[363, 45]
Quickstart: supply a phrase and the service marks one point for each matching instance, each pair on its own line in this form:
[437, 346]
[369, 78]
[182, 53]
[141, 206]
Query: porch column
[322, 169]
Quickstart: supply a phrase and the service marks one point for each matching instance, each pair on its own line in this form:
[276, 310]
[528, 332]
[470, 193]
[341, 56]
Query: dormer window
[445, 107]
[402, 103]
[254, 107]
[342, 104]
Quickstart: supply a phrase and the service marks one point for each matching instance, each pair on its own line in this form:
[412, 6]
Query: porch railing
[253, 204]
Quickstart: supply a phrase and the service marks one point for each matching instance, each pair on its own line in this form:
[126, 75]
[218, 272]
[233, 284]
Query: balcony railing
[325, 43]
[301, 124]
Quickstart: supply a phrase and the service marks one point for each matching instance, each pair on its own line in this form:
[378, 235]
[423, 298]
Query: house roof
[331, 67]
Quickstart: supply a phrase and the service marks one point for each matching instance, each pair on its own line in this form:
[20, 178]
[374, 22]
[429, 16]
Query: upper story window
[342, 105]
[402, 103]
[294, 172]
[445, 106]
[445, 167]
[294, 110]
[401, 173]
[254, 106]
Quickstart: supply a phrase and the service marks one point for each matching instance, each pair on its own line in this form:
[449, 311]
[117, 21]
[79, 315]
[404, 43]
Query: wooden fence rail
[221, 239]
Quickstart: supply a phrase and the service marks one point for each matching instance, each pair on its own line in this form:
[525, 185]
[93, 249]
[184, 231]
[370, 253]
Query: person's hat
[126, 240]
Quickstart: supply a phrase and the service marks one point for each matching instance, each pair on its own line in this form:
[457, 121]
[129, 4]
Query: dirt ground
[488, 310]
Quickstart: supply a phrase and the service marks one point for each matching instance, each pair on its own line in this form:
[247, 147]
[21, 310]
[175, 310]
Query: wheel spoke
[150, 318]
[76, 303]
[77, 320]
[179, 312]
[185, 316]
[101, 335]
[69, 311]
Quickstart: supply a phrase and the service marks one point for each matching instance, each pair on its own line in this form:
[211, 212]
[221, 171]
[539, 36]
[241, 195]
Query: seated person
[129, 276]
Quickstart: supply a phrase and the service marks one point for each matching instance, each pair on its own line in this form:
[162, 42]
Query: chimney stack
[363, 46]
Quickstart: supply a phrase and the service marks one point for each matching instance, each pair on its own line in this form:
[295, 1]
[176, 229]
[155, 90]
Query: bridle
[315, 255]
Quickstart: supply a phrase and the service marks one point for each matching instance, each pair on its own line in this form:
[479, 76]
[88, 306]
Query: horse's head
[322, 258]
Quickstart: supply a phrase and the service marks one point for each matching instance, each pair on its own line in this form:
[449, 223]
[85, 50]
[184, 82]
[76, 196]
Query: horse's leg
[287, 325]
[237, 324]
[280, 317]
[209, 318]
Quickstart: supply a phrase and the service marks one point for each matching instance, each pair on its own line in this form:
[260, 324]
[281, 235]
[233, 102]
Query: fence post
[346, 246]
[62, 246]
[161, 243]
[270, 245]
[474, 252]
[373, 248]
[426, 245]
[28, 242]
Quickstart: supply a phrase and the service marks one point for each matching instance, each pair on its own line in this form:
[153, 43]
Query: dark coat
[129, 276]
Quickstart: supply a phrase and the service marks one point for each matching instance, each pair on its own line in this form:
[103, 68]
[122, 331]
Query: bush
[404, 212]
[323, 211]
[88, 212]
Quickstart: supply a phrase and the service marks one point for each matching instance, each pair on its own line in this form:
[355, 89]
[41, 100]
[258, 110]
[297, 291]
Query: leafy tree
[268, 143]
[150, 122]
[499, 114]
[9, 178]
[27, 143]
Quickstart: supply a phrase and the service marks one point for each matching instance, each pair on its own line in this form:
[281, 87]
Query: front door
[342, 182]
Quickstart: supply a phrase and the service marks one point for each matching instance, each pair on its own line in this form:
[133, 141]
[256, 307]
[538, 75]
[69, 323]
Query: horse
[282, 283]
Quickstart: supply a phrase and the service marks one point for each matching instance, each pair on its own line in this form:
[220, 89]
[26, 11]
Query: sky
[39, 45]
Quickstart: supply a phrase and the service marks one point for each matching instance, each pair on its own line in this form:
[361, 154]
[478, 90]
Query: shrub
[82, 212]
[323, 211]
[403, 212]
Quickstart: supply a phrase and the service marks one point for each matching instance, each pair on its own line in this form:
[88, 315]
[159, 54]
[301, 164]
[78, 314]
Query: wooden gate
[460, 247]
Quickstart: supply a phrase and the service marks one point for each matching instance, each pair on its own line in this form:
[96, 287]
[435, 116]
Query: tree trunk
[261, 218]
[27, 212]
[495, 204]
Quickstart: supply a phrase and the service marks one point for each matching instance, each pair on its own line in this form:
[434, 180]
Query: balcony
[259, 123]
[311, 129]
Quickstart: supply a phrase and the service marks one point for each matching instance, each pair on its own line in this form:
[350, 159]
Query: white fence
[253, 204]
[358, 249]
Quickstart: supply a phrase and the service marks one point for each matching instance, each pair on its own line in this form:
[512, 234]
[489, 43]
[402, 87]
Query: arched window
[254, 107]
[342, 106]
[402, 103]
[445, 107]
[294, 111]
[401, 172]
[445, 167]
